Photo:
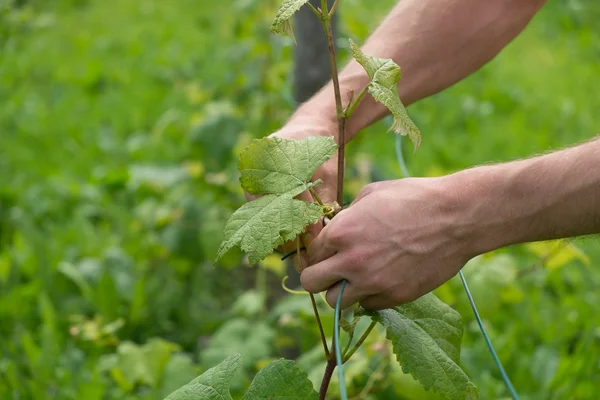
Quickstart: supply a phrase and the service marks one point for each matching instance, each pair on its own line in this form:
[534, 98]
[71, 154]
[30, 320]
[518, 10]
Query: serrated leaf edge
[282, 25]
[403, 124]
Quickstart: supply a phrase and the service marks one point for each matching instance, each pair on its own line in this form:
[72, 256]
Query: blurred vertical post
[311, 67]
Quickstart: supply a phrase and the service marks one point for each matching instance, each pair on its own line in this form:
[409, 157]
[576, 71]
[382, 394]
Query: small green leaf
[275, 165]
[426, 336]
[281, 24]
[211, 385]
[263, 224]
[385, 75]
[282, 380]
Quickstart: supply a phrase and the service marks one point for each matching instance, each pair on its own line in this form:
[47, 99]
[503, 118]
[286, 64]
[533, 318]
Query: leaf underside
[274, 165]
[385, 75]
[281, 379]
[282, 24]
[280, 169]
[426, 335]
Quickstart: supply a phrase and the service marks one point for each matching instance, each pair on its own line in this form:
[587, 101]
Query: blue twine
[507, 382]
[336, 339]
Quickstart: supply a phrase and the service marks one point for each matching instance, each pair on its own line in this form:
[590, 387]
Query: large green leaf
[281, 379]
[275, 165]
[280, 169]
[281, 24]
[385, 75]
[211, 385]
[263, 224]
[426, 336]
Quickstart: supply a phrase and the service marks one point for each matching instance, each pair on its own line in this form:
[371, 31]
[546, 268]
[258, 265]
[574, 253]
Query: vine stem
[315, 196]
[314, 10]
[321, 331]
[341, 118]
[314, 305]
[362, 339]
[333, 8]
[329, 368]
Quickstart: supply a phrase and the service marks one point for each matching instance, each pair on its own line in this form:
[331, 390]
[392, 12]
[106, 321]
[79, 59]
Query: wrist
[476, 198]
[316, 116]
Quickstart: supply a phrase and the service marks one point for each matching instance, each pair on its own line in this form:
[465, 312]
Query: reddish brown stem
[321, 332]
[327, 377]
[338, 107]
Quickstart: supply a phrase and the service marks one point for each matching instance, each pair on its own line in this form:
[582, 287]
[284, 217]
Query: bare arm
[401, 239]
[547, 197]
[435, 42]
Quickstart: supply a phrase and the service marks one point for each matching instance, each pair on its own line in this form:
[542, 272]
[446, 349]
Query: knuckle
[335, 233]
[375, 186]
[375, 283]
[357, 261]
[308, 282]
[367, 189]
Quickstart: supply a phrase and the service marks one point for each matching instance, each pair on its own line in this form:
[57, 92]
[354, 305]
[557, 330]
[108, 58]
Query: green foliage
[282, 24]
[426, 335]
[280, 169]
[280, 379]
[385, 75]
[118, 152]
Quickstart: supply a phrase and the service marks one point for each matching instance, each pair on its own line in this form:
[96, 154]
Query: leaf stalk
[362, 339]
[315, 196]
[352, 106]
[314, 306]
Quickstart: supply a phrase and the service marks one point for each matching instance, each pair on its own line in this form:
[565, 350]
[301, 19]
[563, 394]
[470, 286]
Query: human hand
[299, 129]
[397, 241]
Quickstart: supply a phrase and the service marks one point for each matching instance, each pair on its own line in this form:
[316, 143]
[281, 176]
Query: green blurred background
[120, 124]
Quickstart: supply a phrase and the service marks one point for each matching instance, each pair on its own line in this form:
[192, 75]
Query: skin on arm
[436, 43]
[401, 239]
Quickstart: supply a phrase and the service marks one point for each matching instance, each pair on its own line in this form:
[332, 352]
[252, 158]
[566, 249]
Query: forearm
[435, 42]
[547, 197]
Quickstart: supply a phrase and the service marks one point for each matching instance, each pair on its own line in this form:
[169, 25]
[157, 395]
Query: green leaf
[253, 338]
[142, 365]
[275, 165]
[281, 379]
[211, 385]
[426, 336]
[281, 24]
[279, 168]
[385, 75]
[263, 224]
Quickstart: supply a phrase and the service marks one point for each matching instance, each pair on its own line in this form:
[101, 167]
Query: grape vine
[425, 334]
